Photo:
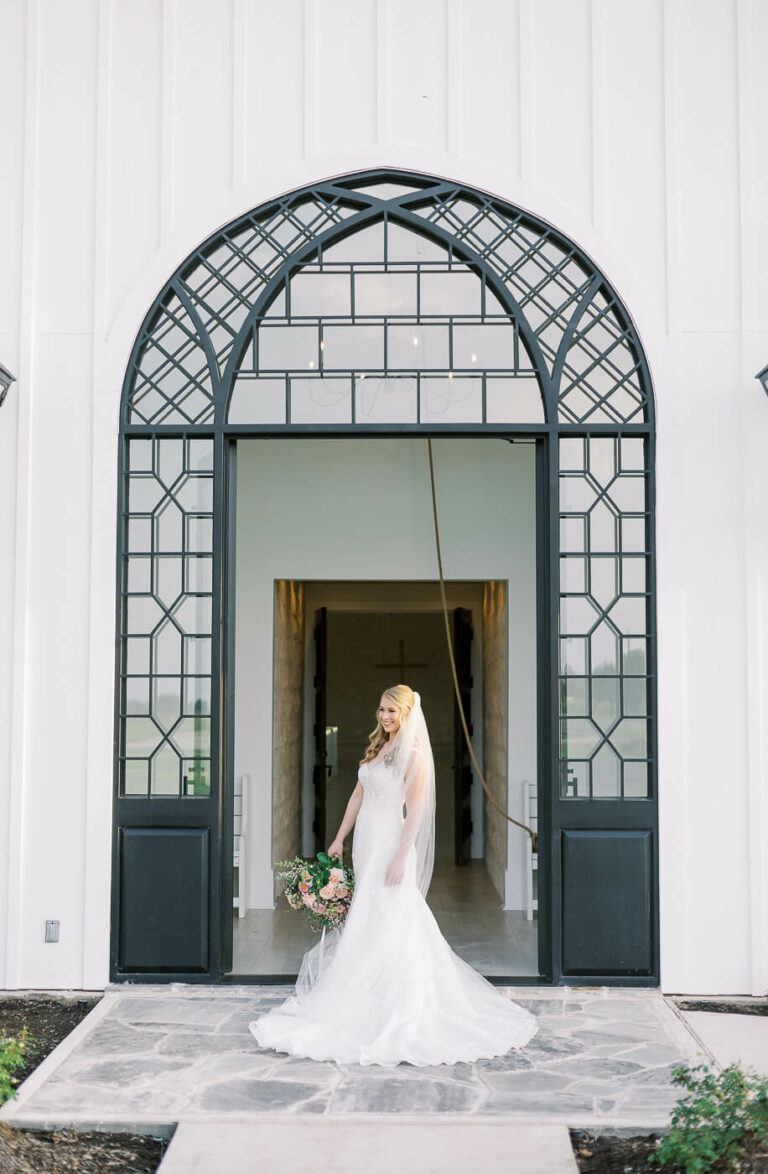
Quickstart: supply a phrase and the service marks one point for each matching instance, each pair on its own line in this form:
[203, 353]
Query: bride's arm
[347, 823]
[414, 796]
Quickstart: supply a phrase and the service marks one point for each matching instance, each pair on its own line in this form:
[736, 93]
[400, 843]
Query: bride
[388, 988]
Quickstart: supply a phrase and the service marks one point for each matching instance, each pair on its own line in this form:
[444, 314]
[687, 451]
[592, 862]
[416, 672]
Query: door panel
[607, 922]
[462, 766]
[164, 899]
[320, 769]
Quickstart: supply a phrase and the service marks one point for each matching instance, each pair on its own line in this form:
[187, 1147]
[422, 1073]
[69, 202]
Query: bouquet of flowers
[323, 887]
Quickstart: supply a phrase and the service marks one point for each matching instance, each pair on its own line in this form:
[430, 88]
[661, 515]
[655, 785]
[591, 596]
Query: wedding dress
[388, 988]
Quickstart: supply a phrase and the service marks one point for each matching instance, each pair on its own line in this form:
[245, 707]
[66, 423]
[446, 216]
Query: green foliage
[711, 1121]
[14, 1051]
[304, 884]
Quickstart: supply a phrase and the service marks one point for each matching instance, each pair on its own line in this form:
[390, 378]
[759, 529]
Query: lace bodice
[382, 787]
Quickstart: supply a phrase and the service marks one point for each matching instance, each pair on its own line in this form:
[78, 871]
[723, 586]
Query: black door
[320, 769]
[462, 766]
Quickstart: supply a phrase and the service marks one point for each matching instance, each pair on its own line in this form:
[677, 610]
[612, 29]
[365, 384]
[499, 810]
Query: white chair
[530, 816]
[240, 841]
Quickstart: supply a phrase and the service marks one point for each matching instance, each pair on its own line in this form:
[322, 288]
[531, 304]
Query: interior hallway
[271, 942]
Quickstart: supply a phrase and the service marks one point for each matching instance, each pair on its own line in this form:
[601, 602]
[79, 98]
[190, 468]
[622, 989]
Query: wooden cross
[401, 664]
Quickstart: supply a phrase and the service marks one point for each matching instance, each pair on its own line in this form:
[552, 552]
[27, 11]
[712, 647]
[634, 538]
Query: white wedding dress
[391, 988]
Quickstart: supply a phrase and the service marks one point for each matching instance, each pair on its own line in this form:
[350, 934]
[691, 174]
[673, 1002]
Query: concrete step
[370, 1145]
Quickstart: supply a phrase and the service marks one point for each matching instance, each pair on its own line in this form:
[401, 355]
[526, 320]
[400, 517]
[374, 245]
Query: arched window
[391, 303]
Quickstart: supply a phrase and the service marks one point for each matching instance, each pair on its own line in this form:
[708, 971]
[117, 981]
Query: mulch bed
[603, 1154]
[66, 1151]
[723, 1006]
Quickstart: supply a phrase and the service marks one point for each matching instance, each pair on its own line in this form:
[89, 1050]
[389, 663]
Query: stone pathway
[150, 1056]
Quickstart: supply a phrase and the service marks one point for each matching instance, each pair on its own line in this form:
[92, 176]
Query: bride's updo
[404, 698]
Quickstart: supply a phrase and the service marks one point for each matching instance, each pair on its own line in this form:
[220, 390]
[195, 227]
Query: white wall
[361, 509]
[131, 129]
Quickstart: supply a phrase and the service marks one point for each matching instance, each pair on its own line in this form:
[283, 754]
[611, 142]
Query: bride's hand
[336, 849]
[395, 871]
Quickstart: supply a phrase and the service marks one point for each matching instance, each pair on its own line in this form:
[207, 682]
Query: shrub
[714, 1117]
[14, 1052]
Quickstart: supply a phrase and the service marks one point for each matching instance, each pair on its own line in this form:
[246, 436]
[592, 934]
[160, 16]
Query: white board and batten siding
[132, 129]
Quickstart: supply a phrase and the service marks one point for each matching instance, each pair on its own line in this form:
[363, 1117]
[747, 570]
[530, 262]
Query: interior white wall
[361, 509]
[636, 128]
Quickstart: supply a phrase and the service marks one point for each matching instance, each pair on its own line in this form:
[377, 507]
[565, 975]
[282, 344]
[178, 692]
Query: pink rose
[337, 874]
[328, 890]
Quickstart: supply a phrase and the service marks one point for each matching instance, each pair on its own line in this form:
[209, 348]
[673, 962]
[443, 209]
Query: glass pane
[137, 654]
[166, 649]
[577, 615]
[630, 738]
[166, 701]
[165, 771]
[513, 399]
[385, 293]
[136, 777]
[416, 347]
[605, 702]
[577, 494]
[404, 244]
[604, 580]
[168, 584]
[573, 535]
[170, 460]
[197, 695]
[573, 574]
[136, 695]
[349, 348]
[606, 774]
[629, 614]
[320, 294]
[200, 454]
[632, 453]
[603, 528]
[288, 348]
[194, 614]
[602, 456]
[573, 656]
[453, 291]
[634, 657]
[579, 738]
[636, 780]
[196, 776]
[321, 401]
[633, 574]
[628, 493]
[141, 737]
[143, 614]
[635, 691]
[573, 453]
[140, 455]
[482, 345]
[143, 494]
[605, 651]
[575, 698]
[139, 575]
[195, 494]
[633, 535]
[199, 533]
[574, 780]
[168, 527]
[197, 655]
[192, 736]
[139, 534]
[198, 573]
[365, 245]
[387, 400]
[451, 401]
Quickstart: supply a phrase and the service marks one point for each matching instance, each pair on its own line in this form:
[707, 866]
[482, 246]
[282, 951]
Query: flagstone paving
[152, 1056]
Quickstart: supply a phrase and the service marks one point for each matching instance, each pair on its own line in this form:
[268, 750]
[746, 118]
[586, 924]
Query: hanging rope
[457, 691]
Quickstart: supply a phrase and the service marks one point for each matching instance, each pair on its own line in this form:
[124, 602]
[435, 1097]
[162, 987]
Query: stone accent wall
[495, 726]
[288, 730]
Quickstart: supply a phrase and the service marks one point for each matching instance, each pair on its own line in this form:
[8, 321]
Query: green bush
[712, 1120]
[14, 1051]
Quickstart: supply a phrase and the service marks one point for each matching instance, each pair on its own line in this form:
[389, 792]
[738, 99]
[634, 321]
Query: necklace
[390, 757]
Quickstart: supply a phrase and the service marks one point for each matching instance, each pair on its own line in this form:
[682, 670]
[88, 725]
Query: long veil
[413, 761]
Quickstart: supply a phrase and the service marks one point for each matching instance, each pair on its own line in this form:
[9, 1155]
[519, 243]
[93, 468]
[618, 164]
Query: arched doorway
[375, 305]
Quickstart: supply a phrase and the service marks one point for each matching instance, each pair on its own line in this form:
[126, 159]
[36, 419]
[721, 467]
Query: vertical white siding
[131, 129]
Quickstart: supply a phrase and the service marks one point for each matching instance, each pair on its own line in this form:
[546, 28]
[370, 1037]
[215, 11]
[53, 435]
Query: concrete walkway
[732, 1039]
[295, 1144]
[148, 1057]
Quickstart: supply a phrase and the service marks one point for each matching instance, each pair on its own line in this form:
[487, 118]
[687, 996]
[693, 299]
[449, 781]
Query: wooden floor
[464, 901]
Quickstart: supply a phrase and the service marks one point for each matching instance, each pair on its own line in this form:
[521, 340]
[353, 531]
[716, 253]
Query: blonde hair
[404, 698]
